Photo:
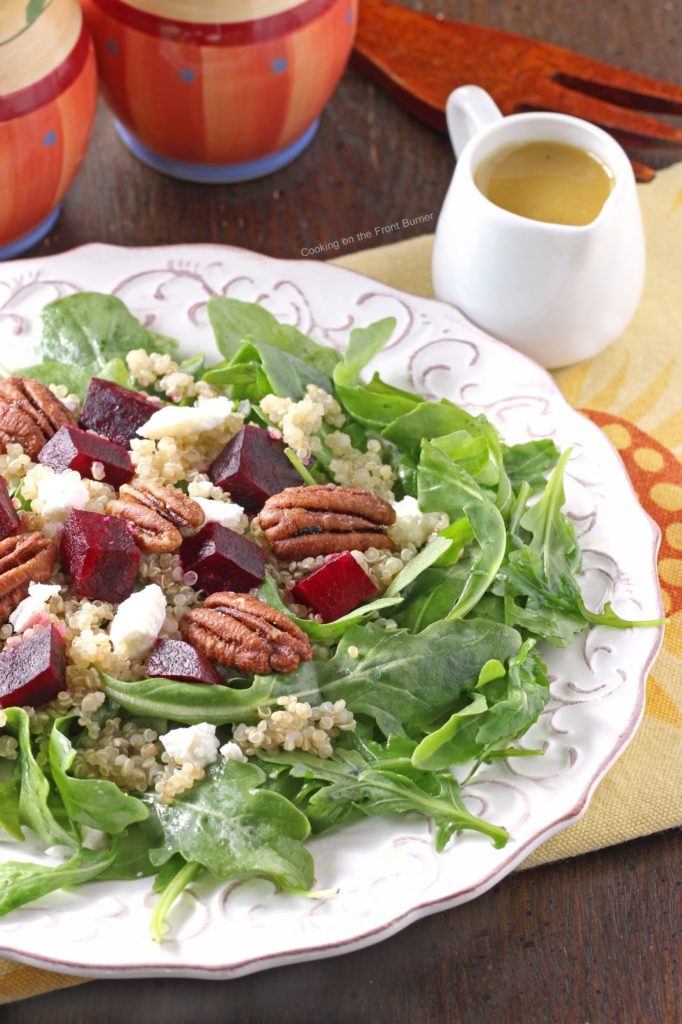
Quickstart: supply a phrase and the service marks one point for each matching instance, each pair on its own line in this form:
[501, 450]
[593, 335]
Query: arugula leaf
[538, 580]
[443, 486]
[192, 703]
[182, 874]
[374, 780]
[502, 708]
[194, 365]
[405, 469]
[476, 450]
[246, 380]
[77, 378]
[9, 808]
[94, 802]
[34, 806]
[553, 538]
[505, 496]
[530, 463]
[375, 404]
[428, 556]
[23, 882]
[288, 375]
[167, 872]
[459, 534]
[471, 453]
[404, 680]
[132, 850]
[324, 632]
[91, 329]
[365, 343]
[526, 695]
[454, 742]
[268, 371]
[427, 421]
[235, 322]
[234, 828]
[488, 528]
[431, 597]
[378, 791]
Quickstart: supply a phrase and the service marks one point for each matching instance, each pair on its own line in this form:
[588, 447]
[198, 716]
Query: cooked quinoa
[161, 372]
[300, 422]
[298, 726]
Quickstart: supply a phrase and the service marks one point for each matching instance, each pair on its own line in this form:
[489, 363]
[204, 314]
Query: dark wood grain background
[594, 940]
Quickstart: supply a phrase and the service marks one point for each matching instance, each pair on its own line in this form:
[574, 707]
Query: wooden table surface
[595, 939]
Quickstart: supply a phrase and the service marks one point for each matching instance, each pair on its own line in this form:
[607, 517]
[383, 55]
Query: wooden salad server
[419, 59]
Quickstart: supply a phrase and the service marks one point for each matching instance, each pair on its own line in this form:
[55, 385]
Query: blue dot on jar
[112, 47]
[279, 65]
[49, 138]
[187, 75]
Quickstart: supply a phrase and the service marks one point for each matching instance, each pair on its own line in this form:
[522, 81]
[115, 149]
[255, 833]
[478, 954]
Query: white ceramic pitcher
[557, 292]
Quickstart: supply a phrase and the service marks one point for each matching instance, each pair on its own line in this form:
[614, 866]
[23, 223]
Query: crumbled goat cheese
[181, 421]
[59, 853]
[58, 493]
[30, 611]
[93, 838]
[232, 752]
[196, 745]
[138, 622]
[223, 512]
[412, 526]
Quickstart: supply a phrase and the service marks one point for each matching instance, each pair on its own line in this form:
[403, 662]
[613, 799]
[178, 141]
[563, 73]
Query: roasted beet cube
[33, 671]
[100, 556]
[114, 411]
[174, 659]
[223, 559]
[253, 467]
[9, 520]
[335, 588]
[72, 448]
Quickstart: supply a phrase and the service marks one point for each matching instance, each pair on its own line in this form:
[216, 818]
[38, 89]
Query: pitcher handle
[469, 109]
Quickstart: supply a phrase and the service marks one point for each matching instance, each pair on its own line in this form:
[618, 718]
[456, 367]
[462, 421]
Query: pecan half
[26, 558]
[29, 415]
[156, 514]
[302, 522]
[239, 630]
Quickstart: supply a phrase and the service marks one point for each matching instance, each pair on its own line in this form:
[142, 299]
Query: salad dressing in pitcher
[548, 181]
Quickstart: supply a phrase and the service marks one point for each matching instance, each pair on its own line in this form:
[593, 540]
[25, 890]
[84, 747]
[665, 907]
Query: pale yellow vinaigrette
[547, 181]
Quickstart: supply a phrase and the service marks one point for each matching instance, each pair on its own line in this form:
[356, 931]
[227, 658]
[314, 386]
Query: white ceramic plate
[385, 869]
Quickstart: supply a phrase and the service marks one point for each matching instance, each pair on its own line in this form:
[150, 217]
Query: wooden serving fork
[419, 59]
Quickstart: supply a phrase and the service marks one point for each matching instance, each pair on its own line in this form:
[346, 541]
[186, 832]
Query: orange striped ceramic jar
[48, 96]
[220, 90]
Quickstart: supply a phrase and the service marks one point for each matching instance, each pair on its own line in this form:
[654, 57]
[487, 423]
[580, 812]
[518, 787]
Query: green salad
[121, 772]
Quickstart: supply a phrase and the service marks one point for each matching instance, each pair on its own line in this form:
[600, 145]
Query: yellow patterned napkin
[634, 392]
